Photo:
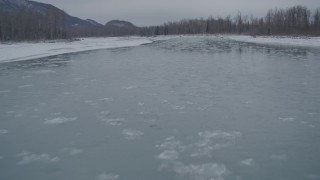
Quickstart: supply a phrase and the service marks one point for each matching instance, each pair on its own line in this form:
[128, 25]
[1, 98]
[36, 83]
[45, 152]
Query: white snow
[313, 42]
[31, 50]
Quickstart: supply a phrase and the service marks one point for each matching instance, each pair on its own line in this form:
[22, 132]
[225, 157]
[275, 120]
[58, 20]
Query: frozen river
[189, 108]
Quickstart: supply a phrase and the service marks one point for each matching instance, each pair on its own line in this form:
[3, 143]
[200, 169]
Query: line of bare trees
[30, 25]
[296, 20]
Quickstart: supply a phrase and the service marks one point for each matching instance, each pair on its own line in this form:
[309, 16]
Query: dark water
[192, 108]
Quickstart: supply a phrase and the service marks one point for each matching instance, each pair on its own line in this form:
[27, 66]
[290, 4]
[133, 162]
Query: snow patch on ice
[28, 158]
[60, 120]
[132, 134]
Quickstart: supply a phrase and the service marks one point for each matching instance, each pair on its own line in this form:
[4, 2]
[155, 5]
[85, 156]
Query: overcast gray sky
[153, 12]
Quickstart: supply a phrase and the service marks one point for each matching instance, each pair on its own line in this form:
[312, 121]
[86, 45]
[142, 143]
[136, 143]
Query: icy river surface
[189, 108]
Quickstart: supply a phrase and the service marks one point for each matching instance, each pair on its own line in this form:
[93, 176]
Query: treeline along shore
[28, 24]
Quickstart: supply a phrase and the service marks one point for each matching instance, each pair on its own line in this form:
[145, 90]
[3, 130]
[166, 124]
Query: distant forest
[294, 21]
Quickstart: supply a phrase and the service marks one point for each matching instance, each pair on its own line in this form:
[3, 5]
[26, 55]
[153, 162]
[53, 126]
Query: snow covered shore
[313, 42]
[31, 50]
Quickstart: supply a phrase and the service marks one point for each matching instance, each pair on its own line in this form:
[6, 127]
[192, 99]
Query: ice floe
[104, 113]
[287, 119]
[219, 134]
[130, 87]
[247, 162]
[105, 176]
[313, 176]
[72, 151]
[172, 152]
[171, 144]
[3, 131]
[178, 107]
[132, 134]
[4, 91]
[45, 71]
[113, 121]
[106, 99]
[28, 158]
[281, 157]
[26, 86]
[207, 171]
[213, 140]
[59, 120]
[168, 155]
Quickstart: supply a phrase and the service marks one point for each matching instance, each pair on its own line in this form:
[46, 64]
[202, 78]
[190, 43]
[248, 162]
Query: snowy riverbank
[31, 50]
[313, 42]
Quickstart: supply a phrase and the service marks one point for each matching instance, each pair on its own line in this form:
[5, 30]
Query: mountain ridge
[15, 6]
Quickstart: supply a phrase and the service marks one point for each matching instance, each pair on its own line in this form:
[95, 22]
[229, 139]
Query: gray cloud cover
[152, 12]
